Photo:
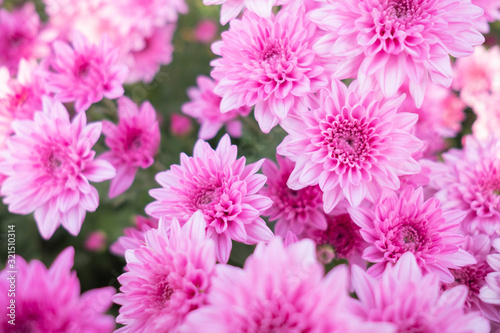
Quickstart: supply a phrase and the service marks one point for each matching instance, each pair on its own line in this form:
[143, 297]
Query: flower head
[133, 142]
[49, 300]
[353, 145]
[48, 165]
[85, 72]
[407, 223]
[391, 41]
[223, 188]
[268, 63]
[168, 277]
[205, 107]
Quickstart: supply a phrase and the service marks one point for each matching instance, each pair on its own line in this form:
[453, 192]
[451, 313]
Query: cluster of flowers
[357, 178]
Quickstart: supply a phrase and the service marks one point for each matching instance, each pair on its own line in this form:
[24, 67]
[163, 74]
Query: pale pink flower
[292, 210]
[354, 145]
[133, 237]
[487, 112]
[133, 142]
[168, 277]
[180, 125]
[390, 41]
[49, 300]
[279, 290]
[471, 182]
[223, 188]
[231, 8]
[412, 302]
[48, 164]
[85, 72]
[490, 292]
[205, 107]
[205, 31]
[406, 223]
[95, 241]
[477, 77]
[22, 36]
[491, 10]
[268, 63]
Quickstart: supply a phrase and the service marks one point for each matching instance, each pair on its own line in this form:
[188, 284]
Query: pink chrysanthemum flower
[354, 145]
[407, 223]
[279, 290]
[267, 63]
[22, 37]
[474, 277]
[85, 72]
[167, 277]
[48, 165]
[231, 8]
[20, 97]
[133, 142]
[180, 125]
[205, 31]
[389, 41]
[491, 10]
[49, 300]
[292, 210]
[133, 237]
[223, 188]
[412, 302]
[490, 292]
[487, 122]
[471, 183]
[205, 107]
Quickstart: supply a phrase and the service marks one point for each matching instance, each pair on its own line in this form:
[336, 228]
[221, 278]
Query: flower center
[343, 234]
[133, 139]
[402, 8]
[207, 197]
[409, 237]
[272, 53]
[163, 293]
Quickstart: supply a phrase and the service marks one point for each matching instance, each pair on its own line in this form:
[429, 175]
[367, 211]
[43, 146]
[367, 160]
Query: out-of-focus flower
[354, 145]
[223, 188]
[205, 31]
[231, 8]
[407, 223]
[205, 108]
[48, 165]
[388, 42]
[133, 142]
[49, 300]
[96, 241]
[168, 277]
[491, 10]
[134, 236]
[85, 72]
[269, 64]
[412, 302]
[179, 124]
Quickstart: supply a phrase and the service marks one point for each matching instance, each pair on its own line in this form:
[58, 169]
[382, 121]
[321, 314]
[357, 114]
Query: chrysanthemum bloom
[231, 8]
[166, 278]
[95, 241]
[279, 290]
[407, 223]
[490, 293]
[180, 125]
[48, 165]
[22, 37]
[471, 183]
[412, 302]
[353, 146]
[20, 97]
[474, 277]
[49, 300]
[134, 236]
[133, 142]
[292, 210]
[268, 63]
[223, 188]
[205, 31]
[477, 77]
[205, 108]
[389, 41]
[491, 10]
[85, 72]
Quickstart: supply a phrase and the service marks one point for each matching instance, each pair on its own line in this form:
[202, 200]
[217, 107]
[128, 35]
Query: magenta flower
[180, 125]
[133, 142]
[205, 107]
[389, 41]
[231, 8]
[205, 31]
[166, 278]
[407, 223]
[49, 300]
[85, 72]
[223, 188]
[48, 165]
[292, 210]
[412, 302]
[267, 63]
[279, 290]
[134, 236]
[471, 182]
[353, 146]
